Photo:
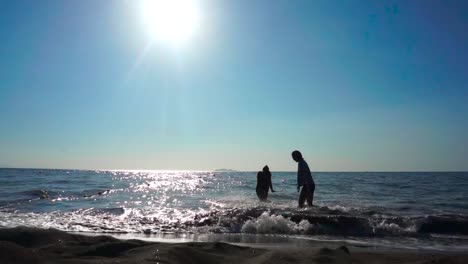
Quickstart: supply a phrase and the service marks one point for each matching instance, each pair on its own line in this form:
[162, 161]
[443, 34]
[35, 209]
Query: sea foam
[274, 224]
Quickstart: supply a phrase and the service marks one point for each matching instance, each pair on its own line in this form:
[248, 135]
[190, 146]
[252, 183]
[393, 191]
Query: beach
[416, 211]
[198, 131]
[33, 245]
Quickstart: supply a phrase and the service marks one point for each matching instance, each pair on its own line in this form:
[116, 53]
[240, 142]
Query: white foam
[393, 228]
[274, 224]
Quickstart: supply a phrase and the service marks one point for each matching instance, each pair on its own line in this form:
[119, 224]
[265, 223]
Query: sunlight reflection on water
[202, 202]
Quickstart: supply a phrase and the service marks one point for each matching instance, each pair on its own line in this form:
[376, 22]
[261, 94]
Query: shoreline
[275, 240]
[33, 245]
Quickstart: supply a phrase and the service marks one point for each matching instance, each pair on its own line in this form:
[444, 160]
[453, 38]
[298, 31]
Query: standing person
[264, 183]
[304, 180]
[267, 174]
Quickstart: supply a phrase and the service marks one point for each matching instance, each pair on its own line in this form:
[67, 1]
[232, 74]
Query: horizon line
[228, 170]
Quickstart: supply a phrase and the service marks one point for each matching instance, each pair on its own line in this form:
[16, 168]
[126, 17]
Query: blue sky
[354, 85]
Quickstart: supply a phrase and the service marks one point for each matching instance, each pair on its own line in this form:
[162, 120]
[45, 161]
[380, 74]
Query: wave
[332, 221]
[335, 221]
[50, 194]
[328, 225]
[112, 211]
[276, 224]
[39, 193]
[27, 197]
[445, 224]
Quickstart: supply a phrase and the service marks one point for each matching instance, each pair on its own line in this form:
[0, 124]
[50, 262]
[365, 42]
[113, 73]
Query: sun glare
[171, 21]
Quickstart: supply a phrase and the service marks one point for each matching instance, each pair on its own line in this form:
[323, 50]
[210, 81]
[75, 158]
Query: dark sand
[29, 245]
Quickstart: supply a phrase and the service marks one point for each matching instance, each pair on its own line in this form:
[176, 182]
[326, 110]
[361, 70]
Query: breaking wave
[315, 221]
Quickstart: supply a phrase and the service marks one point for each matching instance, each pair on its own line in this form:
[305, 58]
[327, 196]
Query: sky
[354, 85]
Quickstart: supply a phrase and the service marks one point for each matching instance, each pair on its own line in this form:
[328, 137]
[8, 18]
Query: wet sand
[31, 245]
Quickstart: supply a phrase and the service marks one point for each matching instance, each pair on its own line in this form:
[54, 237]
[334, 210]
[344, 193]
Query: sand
[31, 245]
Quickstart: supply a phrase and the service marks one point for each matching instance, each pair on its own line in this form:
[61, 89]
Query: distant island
[226, 170]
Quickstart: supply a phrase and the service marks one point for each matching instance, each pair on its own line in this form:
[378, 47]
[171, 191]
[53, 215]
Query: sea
[413, 210]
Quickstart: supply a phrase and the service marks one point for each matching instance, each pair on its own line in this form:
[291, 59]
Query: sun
[171, 21]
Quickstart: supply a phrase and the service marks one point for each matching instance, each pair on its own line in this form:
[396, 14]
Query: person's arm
[299, 175]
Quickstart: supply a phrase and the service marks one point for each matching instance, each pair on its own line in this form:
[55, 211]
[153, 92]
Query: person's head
[296, 155]
[266, 169]
[259, 174]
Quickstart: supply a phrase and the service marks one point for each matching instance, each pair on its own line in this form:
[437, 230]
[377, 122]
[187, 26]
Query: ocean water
[403, 209]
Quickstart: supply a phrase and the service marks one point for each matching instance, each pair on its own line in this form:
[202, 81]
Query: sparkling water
[418, 208]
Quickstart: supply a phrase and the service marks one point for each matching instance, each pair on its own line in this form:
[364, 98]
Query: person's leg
[262, 195]
[310, 194]
[302, 197]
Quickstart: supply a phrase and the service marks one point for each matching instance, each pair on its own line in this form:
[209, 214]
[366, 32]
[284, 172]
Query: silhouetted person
[304, 180]
[267, 173]
[264, 183]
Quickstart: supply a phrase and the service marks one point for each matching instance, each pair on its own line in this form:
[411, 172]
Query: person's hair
[266, 168]
[297, 154]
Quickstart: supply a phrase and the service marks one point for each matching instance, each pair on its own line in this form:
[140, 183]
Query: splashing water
[366, 205]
